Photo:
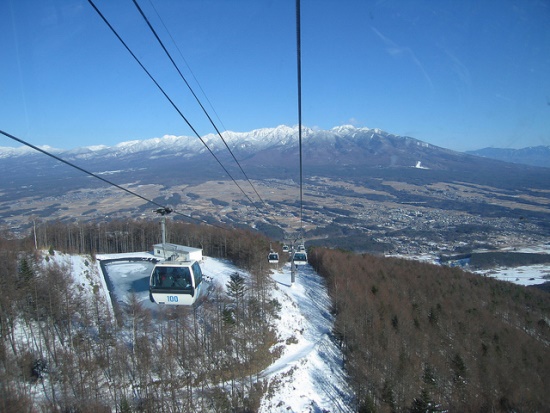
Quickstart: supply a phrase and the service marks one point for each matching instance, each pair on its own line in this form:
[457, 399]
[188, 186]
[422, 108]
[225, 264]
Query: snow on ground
[309, 375]
[127, 273]
[86, 275]
[527, 275]
[524, 275]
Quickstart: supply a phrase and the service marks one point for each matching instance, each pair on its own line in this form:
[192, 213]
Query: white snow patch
[87, 277]
[419, 165]
[526, 275]
[309, 375]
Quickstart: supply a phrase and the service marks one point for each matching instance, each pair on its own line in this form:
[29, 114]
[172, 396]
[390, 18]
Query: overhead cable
[271, 214]
[194, 95]
[170, 100]
[187, 64]
[299, 62]
[51, 155]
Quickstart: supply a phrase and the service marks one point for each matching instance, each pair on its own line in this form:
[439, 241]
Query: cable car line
[190, 126]
[77, 167]
[299, 67]
[187, 64]
[196, 133]
[195, 96]
[170, 100]
[51, 155]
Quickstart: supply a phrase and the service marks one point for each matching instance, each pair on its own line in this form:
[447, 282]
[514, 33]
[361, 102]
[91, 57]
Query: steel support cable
[299, 62]
[170, 100]
[57, 158]
[195, 96]
[187, 64]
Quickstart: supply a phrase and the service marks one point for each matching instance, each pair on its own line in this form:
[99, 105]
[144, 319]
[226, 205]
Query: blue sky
[457, 74]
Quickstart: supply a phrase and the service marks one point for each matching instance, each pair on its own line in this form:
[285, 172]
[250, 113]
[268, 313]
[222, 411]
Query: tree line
[418, 337]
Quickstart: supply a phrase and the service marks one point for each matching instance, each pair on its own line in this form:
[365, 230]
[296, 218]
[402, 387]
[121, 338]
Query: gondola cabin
[273, 257]
[176, 283]
[299, 258]
[285, 248]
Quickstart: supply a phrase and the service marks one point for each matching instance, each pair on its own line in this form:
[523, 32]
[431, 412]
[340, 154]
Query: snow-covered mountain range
[341, 145]
[345, 170]
[269, 153]
[278, 148]
[241, 142]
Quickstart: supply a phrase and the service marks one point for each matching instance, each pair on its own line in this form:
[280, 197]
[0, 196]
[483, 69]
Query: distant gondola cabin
[273, 257]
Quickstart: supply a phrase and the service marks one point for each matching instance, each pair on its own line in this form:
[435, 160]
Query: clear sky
[458, 74]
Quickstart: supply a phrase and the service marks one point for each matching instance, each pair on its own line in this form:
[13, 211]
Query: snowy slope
[87, 277]
[309, 375]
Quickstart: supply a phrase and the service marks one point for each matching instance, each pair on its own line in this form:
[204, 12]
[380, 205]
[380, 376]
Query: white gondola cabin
[273, 257]
[299, 258]
[176, 283]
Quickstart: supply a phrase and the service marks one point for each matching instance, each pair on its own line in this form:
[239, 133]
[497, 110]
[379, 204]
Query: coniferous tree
[236, 288]
[423, 403]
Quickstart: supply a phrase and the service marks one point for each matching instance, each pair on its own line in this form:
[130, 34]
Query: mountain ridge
[532, 155]
[256, 139]
[344, 144]
[267, 153]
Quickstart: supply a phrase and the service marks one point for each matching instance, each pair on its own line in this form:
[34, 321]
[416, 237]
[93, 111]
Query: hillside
[428, 338]
[411, 334]
[236, 351]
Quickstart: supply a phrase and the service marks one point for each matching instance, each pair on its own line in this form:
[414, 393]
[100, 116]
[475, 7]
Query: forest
[77, 357]
[415, 337]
